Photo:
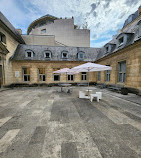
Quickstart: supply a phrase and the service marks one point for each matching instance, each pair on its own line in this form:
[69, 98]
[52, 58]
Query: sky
[104, 17]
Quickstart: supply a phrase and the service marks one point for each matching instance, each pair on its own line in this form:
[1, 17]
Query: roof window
[29, 53]
[121, 41]
[47, 54]
[64, 54]
[81, 55]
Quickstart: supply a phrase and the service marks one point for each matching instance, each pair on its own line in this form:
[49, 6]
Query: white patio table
[65, 85]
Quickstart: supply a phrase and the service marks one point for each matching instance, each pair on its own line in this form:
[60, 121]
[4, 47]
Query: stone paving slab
[69, 150]
[42, 123]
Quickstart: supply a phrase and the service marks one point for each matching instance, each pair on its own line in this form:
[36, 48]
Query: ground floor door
[1, 79]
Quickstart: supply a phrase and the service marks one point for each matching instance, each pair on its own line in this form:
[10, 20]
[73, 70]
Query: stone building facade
[3, 53]
[48, 46]
[123, 54]
[9, 40]
[60, 32]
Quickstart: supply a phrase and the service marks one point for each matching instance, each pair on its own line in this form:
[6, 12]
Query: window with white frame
[81, 55]
[47, 54]
[2, 38]
[26, 74]
[84, 76]
[29, 53]
[70, 77]
[64, 54]
[98, 75]
[122, 71]
[42, 76]
[121, 41]
[108, 75]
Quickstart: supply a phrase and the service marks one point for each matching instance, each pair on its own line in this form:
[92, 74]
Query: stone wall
[49, 68]
[2, 64]
[11, 45]
[132, 56]
[40, 40]
[64, 32]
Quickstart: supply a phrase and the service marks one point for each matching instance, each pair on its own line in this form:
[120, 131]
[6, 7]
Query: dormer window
[81, 55]
[121, 41]
[29, 54]
[2, 38]
[139, 24]
[43, 30]
[47, 54]
[106, 49]
[64, 54]
[109, 48]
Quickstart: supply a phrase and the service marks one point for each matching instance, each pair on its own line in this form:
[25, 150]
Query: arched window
[64, 54]
[29, 53]
[81, 55]
[47, 54]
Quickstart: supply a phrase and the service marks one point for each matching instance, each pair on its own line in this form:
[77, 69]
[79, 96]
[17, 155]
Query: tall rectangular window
[98, 75]
[42, 76]
[26, 74]
[108, 75]
[70, 77]
[121, 71]
[56, 77]
[2, 38]
[84, 76]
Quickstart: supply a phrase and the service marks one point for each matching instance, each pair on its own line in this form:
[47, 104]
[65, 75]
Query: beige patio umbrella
[90, 67]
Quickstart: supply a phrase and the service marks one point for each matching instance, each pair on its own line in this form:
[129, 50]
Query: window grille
[70, 77]
[42, 76]
[84, 76]
[26, 74]
[122, 71]
[108, 75]
[98, 75]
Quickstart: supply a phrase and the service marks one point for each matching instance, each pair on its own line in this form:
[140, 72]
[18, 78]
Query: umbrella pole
[88, 81]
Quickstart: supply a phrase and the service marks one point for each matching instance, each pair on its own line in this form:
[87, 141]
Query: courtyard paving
[42, 123]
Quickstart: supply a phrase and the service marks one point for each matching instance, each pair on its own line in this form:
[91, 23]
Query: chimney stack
[20, 31]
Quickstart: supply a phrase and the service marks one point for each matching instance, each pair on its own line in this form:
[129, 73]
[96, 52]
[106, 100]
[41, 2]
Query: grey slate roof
[91, 54]
[5, 21]
[19, 55]
[133, 33]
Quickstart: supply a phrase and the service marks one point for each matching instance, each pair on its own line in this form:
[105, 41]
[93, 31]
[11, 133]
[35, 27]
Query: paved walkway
[42, 123]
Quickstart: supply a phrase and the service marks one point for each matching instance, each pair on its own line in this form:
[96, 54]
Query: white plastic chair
[82, 95]
[100, 94]
[92, 96]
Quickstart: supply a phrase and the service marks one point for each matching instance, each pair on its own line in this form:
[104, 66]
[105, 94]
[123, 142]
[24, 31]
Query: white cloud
[103, 16]
[106, 16]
